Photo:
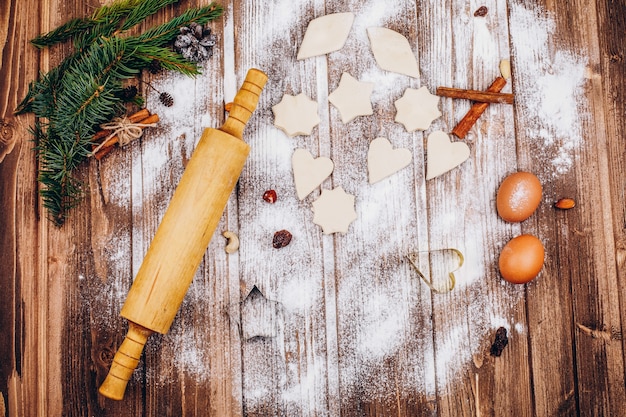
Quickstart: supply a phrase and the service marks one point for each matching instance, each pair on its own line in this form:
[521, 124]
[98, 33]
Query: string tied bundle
[125, 129]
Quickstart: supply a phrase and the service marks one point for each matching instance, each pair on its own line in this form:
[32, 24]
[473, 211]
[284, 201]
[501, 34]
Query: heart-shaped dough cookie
[309, 172]
[383, 160]
[443, 155]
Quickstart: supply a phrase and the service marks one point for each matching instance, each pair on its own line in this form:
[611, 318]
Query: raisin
[281, 239]
[500, 342]
[481, 12]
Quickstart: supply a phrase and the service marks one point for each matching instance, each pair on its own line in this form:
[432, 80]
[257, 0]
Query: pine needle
[143, 10]
[63, 33]
[162, 34]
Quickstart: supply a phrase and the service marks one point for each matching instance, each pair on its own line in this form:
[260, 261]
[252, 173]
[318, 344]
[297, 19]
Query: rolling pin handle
[124, 362]
[245, 103]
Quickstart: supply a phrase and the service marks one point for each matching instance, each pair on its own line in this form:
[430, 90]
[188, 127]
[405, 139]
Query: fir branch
[116, 10]
[144, 54]
[162, 34]
[102, 30]
[63, 32]
[144, 10]
[106, 58]
[110, 16]
[59, 193]
[84, 106]
[86, 88]
[41, 94]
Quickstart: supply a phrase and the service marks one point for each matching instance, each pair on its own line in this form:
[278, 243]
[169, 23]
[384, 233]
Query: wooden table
[336, 324]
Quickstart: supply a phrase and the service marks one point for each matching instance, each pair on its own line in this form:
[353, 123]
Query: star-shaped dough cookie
[296, 115]
[417, 109]
[352, 98]
[334, 211]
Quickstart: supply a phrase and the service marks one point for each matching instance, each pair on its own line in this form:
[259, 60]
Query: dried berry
[500, 342]
[166, 99]
[281, 239]
[481, 12]
[565, 203]
[270, 196]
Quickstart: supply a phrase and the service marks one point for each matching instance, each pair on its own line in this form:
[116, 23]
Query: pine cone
[128, 93]
[166, 99]
[195, 43]
[155, 66]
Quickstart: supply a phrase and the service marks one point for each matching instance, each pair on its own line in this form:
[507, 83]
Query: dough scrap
[443, 155]
[417, 109]
[296, 115]
[352, 98]
[309, 172]
[392, 51]
[383, 160]
[334, 211]
[325, 34]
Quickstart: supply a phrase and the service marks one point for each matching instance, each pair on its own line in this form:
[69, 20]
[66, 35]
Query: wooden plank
[553, 375]
[598, 365]
[562, 382]
[385, 352]
[284, 364]
[189, 359]
[83, 277]
[610, 67]
[78, 279]
[461, 214]
[10, 136]
[23, 374]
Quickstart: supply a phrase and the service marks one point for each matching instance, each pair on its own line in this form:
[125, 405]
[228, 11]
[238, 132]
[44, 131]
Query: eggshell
[521, 259]
[518, 197]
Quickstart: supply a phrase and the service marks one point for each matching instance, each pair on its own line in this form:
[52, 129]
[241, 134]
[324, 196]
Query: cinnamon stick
[135, 118]
[477, 109]
[100, 134]
[475, 95]
[140, 115]
[108, 146]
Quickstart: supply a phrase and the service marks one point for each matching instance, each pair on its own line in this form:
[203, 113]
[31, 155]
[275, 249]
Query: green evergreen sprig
[86, 88]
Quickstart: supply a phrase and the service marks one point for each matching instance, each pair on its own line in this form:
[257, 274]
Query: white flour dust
[379, 311]
[550, 95]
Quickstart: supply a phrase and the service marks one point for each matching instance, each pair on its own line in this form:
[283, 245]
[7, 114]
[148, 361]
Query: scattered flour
[380, 309]
[550, 96]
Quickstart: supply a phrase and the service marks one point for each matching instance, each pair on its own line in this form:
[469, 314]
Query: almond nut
[565, 204]
[505, 69]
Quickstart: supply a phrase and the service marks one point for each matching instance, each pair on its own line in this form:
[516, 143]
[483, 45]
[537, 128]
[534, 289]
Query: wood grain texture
[300, 330]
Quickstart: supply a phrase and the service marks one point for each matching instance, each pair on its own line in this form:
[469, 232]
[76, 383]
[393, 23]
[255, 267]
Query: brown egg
[521, 259]
[518, 197]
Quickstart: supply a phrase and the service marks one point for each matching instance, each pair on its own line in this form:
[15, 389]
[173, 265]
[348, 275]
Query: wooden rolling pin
[184, 234]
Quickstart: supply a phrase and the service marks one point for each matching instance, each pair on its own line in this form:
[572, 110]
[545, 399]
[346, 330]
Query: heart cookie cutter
[451, 282]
